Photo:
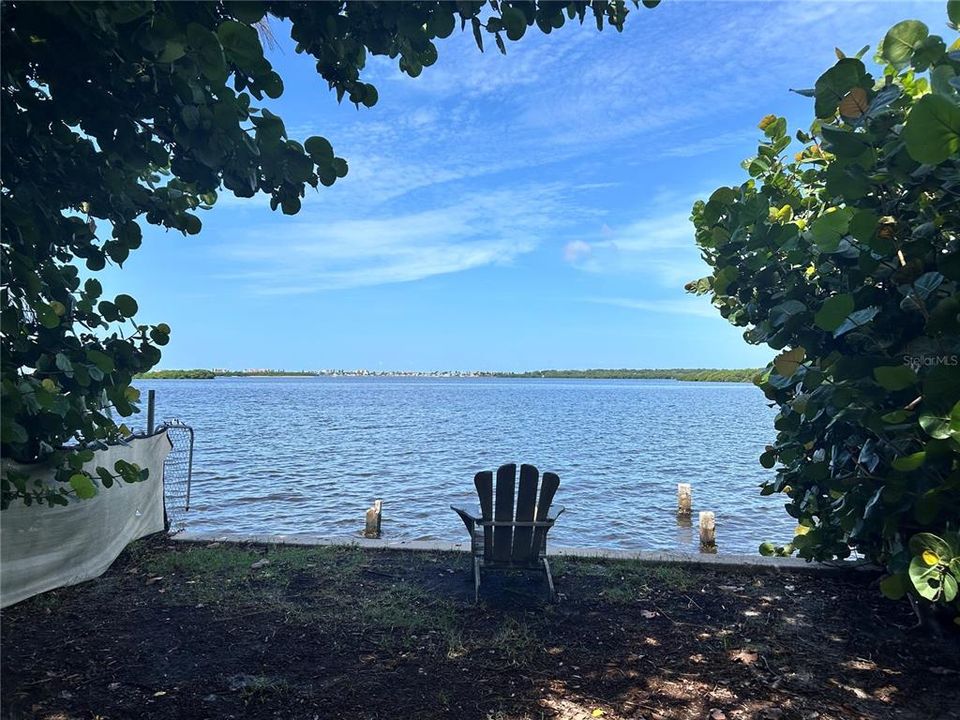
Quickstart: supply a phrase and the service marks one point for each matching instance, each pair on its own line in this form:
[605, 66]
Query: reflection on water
[308, 455]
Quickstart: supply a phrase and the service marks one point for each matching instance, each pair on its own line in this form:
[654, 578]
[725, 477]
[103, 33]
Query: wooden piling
[151, 409]
[684, 499]
[374, 514]
[708, 529]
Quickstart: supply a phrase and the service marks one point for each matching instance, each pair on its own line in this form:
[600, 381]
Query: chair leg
[546, 568]
[476, 579]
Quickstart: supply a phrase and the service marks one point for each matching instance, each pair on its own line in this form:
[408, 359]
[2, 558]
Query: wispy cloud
[657, 246]
[686, 306]
[684, 148]
[493, 227]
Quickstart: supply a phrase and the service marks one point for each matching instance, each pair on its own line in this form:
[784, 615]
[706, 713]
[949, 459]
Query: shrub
[844, 257]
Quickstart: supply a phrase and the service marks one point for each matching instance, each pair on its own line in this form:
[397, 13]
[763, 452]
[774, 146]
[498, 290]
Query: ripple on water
[620, 449]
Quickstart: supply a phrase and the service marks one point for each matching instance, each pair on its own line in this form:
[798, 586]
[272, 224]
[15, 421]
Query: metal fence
[177, 474]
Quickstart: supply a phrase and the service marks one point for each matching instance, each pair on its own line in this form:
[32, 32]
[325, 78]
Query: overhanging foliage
[119, 113]
[845, 258]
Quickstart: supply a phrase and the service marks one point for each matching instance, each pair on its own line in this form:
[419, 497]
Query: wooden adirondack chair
[501, 539]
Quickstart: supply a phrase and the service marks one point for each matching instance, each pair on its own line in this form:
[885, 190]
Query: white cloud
[704, 146]
[658, 247]
[314, 253]
[688, 306]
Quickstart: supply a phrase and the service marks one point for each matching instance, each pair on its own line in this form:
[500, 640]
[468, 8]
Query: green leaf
[895, 377]
[908, 463]
[896, 417]
[105, 477]
[514, 21]
[64, 364]
[828, 229]
[901, 40]
[863, 225]
[478, 38]
[271, 84]
[240, 42]
[787, 362]
[125, 305]
[441, 23]
[932, 130]
[932, 543]
[319, 149]
[953, 12]
[103, 361]
[785, 311]
[833, 312]
[950, 587]
[83, 486]
[172, 51]
[895, 586]
[47, 316]
[926, 579]
[246, 11]
[768, 549]
[835, 83]
[856, 320]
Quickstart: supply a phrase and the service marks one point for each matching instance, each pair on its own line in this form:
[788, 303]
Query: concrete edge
[659, 557]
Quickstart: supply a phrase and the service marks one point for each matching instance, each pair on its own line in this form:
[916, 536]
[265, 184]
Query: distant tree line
[693, 375]
[177, 375]
[211, 374]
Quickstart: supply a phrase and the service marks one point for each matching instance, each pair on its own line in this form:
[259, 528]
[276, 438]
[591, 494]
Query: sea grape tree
[119, 114]
[845, 258]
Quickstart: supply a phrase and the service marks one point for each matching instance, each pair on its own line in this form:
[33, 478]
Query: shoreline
[680, 375]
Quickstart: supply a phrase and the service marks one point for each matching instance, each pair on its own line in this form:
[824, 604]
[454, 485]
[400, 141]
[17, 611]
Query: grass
[263, 631]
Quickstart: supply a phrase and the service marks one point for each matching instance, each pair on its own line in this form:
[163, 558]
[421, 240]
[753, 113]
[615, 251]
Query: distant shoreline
[682, 374]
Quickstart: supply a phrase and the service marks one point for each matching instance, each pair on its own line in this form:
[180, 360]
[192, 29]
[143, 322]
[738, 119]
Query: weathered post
[374, 513]
[151, 408]
[684, 499]
[708, 530]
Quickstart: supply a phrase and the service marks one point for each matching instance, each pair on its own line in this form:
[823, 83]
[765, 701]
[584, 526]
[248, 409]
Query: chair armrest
[555, 512]
[470, 518]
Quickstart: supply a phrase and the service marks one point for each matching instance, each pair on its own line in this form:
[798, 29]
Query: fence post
[374, 514]
[151, 407]
[684, 499]
[708, 530]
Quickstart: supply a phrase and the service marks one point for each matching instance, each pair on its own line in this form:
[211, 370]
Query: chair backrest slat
[548, 488]
[526, 504]
[484, 483]
[506, 491]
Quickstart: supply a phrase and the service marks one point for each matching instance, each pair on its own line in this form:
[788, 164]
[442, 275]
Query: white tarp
[44, 547]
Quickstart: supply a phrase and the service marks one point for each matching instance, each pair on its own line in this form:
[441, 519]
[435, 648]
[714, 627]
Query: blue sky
[515, 212]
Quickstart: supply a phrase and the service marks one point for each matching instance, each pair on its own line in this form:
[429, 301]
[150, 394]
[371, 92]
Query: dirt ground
[182, 631]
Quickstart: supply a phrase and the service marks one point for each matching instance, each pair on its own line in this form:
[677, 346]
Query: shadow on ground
[179, 631]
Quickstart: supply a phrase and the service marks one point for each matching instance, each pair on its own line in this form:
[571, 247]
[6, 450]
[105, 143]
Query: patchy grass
[177, 630]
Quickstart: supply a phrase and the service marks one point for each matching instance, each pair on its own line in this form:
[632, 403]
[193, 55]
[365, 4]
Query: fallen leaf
[747, 657]
[259, 564]
[154, 579]
[597, 713]
[649, 614]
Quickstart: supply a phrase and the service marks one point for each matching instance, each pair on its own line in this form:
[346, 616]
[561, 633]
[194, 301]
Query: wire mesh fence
[177, 474]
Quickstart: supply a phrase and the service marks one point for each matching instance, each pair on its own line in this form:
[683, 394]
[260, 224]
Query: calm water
[308, 455]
